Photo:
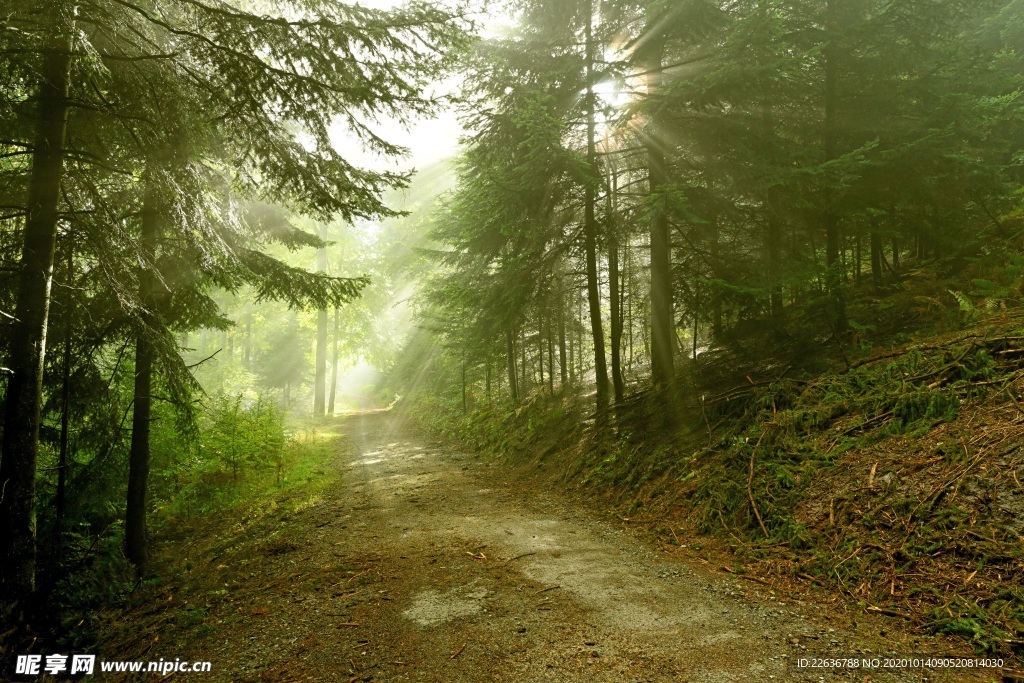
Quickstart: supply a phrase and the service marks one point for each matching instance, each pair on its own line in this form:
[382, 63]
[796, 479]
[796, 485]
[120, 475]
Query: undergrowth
[244, 460]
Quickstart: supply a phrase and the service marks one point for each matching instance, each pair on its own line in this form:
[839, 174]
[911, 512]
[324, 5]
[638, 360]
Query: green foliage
[923, 404]
[242, 448]
[968, 311]
[243, 437]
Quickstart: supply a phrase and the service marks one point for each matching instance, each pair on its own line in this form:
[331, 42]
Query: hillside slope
[894, 480]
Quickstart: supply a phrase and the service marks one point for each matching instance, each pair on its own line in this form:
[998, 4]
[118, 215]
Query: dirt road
[426, 564]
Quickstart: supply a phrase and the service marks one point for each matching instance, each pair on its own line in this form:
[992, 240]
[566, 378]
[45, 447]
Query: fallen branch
[750, 485]
[889, 612]
[904, 351]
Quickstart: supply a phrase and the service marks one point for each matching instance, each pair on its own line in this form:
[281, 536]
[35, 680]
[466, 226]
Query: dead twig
[458, 652]
[890, 612]
[746, 577]
[949, 482]
[750, 485]
[519, 557]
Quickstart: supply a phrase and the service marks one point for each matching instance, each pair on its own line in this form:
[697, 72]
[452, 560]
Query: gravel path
[426, 564]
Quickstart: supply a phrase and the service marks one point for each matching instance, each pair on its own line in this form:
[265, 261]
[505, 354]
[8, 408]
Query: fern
[967, 308]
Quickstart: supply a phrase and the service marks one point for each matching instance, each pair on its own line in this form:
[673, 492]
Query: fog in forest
[744, 276]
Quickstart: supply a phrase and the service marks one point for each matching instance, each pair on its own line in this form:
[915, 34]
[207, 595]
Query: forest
[742, 278]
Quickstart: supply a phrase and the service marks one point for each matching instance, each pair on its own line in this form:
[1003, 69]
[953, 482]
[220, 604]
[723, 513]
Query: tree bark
[772, 206]
[562, 361]
[830, 221]
[773, 244]
[571, 348]
[334, 363]
[616, 319]
[60, 504]
[662, 320]
[716, 297]
[525, 380]
[135, 538]
[876, 259]
[551, 361]
[627, 296]
[510, 357]
[615, 295]
[540, 348]
[20, 445]
[857, 260]
[320, 376]
[590, 226]
[487, 381]
[247, 348]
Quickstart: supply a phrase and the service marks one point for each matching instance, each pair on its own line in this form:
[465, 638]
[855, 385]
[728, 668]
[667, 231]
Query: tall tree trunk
[627, 284]
[857, 259]
[615, 299]
[562, 361]
[773, 218]
[540, 348]
[60, 503]
[334, 362]
[774, 244]
[487, 380]
[844, 268]
[876, 258]
[20, 445]
[571, 347]
[590, 225]
[581, 363]
[135, 539]
[551, 361]
[662, 319]
[716, 297]
[247, 349]
[616, 318]
[525, 367]
[830, 221]
[320, 376]
[510, 358]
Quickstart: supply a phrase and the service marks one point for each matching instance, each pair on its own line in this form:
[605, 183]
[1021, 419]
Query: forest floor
[415, 561]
